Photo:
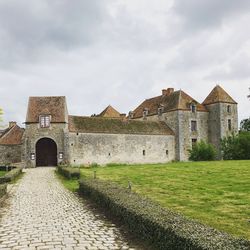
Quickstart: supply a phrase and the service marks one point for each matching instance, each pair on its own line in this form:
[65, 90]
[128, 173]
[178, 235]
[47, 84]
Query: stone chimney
[167, 92]
[12, 124]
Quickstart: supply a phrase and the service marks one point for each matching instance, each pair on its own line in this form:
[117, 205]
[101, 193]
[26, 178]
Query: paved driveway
[42, 214]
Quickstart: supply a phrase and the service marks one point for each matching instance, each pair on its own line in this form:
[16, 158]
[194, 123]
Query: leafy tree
[202, 151]
[1, 113]
[245, 125]
[236, 147]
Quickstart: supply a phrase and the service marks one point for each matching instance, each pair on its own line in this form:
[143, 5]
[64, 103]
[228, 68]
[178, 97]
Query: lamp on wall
[60, 155]
[32, 156]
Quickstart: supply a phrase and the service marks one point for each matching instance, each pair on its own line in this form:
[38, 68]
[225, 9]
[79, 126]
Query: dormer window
[45, 121]
[145, 113]
[193, 108]
[160, 111]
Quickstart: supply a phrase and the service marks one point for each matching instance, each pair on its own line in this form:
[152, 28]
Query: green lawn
[2, 173]
[215, 193]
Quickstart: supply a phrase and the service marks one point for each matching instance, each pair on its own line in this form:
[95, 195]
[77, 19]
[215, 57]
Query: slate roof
[109, 112]
[117, 126]
[177, 100]
[218, 94]
[50, 105]
[12, 136]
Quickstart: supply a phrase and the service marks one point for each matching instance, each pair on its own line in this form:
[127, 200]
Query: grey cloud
[26, 27]
[203, 14]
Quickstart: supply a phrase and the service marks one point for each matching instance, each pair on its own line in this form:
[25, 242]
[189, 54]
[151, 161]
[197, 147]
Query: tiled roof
[12, 136]
[117, 126]
[177, 100]
[218, 94]
[109, 112]
[52, 105]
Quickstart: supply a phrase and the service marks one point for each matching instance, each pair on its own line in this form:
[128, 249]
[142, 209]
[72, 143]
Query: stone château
[160, 129]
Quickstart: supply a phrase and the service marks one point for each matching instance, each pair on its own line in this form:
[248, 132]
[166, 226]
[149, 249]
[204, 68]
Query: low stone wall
[10, 154]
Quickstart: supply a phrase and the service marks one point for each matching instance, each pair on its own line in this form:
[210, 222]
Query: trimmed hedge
[3, 189]
[11, 175]
[69, 172]
[164, 228]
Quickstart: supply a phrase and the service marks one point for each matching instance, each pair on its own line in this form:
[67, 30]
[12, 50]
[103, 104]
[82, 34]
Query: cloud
[204, 14]
[28, 28]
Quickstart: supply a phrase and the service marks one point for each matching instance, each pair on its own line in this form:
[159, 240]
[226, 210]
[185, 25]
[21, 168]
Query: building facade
[159, 130]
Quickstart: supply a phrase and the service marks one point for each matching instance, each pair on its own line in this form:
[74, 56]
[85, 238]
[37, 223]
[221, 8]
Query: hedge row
[11, 175]
[162, 227]
[69, 172]
[3, 189]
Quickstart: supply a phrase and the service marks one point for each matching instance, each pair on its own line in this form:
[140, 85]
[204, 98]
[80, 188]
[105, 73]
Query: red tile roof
[109, 112]
[53, 105]
[176, 100]
[117, 126]
[12, 136]
[218, 94]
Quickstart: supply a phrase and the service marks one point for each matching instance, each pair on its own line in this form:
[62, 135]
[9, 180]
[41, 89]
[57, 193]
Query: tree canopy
[245, 125]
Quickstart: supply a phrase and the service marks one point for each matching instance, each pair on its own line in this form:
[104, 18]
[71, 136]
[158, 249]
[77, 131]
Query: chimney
[167, 92]
[12, 124]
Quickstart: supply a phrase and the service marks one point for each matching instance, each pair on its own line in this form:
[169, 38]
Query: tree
[1, 113]
[202, 151]
[236, 147]
[245, 125]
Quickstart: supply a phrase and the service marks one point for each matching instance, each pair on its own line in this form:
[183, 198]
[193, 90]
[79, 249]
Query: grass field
[2, 173]
[215, 193]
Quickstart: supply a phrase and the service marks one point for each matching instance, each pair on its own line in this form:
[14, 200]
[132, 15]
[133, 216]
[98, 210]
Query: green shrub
[3, 189]
[93, 165]
[162, 227]
[69, 172]
[202, 151]
[11, 175]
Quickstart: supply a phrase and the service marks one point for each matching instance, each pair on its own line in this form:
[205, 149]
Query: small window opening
[229, 109]
[160, 111]
[145, 113]
[229, 124]
[194, 141]
[72, 144]
[193, 126]
[193, 108]
[109, 154]
[143, 152]
[77, 133]
[45, 121]
[166, 152]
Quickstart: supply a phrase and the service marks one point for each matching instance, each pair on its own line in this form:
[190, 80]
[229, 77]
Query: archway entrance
[46, 152]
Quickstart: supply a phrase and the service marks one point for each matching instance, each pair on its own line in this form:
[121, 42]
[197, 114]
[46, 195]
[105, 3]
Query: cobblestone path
[42, 214]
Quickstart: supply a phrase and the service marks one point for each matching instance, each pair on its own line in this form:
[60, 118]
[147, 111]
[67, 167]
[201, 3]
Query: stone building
[159, 130]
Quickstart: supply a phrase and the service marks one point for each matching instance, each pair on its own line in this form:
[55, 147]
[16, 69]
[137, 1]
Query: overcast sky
[120, 52]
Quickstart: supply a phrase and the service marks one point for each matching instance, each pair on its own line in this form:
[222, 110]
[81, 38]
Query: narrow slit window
[143, 152]
[229, 109]
[166, 152]
[229, 124]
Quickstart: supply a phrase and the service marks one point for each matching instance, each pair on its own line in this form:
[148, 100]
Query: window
[44, 121]
[166, 152]
[193, 108]
[193, 126]
[145, 113]
[194, 141]
[160, 111]
[61, 155]
[131, 114]
[143, 152]
[228, 109]
[229, 124]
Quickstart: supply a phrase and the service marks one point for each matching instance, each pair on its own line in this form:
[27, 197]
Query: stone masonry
[42, 214]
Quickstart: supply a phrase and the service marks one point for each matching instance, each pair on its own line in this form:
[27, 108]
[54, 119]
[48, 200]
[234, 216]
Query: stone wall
[218, 122]
[33, 133]
[10, 154]
[120, 148]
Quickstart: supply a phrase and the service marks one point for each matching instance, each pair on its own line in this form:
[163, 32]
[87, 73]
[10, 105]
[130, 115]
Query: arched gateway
[46, 152]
